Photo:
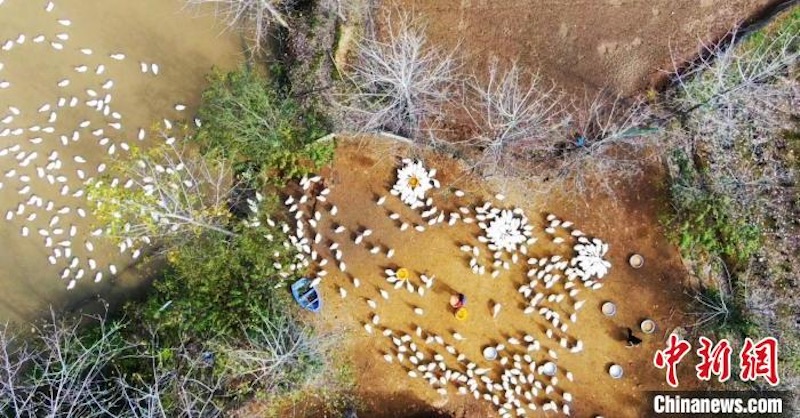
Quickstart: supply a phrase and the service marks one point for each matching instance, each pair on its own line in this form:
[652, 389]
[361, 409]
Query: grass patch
[761, 40]
[701, 223]
[255, 123]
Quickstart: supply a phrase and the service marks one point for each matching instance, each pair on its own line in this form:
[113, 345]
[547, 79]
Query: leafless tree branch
[255, 18]
[401, 82]
[516, 115]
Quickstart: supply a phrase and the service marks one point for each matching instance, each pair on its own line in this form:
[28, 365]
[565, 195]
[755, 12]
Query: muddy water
[87, 121]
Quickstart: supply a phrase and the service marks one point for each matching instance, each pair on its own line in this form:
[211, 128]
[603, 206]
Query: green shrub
[702, 223]
[214, 286]
[251, 120]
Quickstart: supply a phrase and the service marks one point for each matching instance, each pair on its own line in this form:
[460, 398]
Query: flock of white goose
[48, 175]
[39, 148]
[526, 375]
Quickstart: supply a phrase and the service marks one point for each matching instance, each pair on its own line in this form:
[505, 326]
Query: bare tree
[607, 140]
[735, 101]
[15, 357]
[281, 353]
[73, 371]
[712, 309]
[186, 390]
[255, 18]
[516, 115]
[166, 193]
[60, 372]
[400, 82]
[63, 370]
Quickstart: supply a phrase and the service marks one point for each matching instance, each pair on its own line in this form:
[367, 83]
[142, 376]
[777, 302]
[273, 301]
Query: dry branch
[400, 82]
[255, 18]
[516, 115]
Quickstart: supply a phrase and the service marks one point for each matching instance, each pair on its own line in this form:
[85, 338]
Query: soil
[363, 171]
[624, 45]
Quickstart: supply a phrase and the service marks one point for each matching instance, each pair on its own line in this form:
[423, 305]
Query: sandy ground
[624, 45]
[361, 173]
[184, 46]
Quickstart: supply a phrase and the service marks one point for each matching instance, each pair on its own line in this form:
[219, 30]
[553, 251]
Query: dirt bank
[621, 44]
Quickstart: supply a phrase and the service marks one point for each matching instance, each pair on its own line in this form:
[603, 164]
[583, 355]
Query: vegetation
[279, 354]
[219, 284]
[701, 224]
[516, 117]
[218, 326]
[734, 186]
[517, 125]
[95, 367]
[173, 197]
[255, 124]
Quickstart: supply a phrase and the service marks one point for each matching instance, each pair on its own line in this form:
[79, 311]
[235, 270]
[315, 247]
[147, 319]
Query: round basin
[648, 326]
[402, 274]
[609, 309]
[490, 353]
[462, 314]
[549, 368]
[636, 261]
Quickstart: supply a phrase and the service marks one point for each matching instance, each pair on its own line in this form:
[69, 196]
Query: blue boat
[306, 296]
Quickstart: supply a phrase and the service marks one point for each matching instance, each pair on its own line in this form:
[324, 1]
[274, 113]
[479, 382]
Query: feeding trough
[609, 309]
[636, 261]
[306, 296]
[648, 326]
[615, 371]
[549, 369]
[490, 353]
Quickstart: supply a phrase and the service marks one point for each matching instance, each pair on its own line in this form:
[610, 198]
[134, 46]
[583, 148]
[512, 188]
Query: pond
[80, 81]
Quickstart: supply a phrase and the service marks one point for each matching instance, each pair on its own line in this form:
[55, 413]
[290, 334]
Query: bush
[252, 121]
[702, 223]
[277, 353]
[214, 286]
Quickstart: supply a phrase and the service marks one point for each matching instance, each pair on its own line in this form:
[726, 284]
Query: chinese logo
[756, 359]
